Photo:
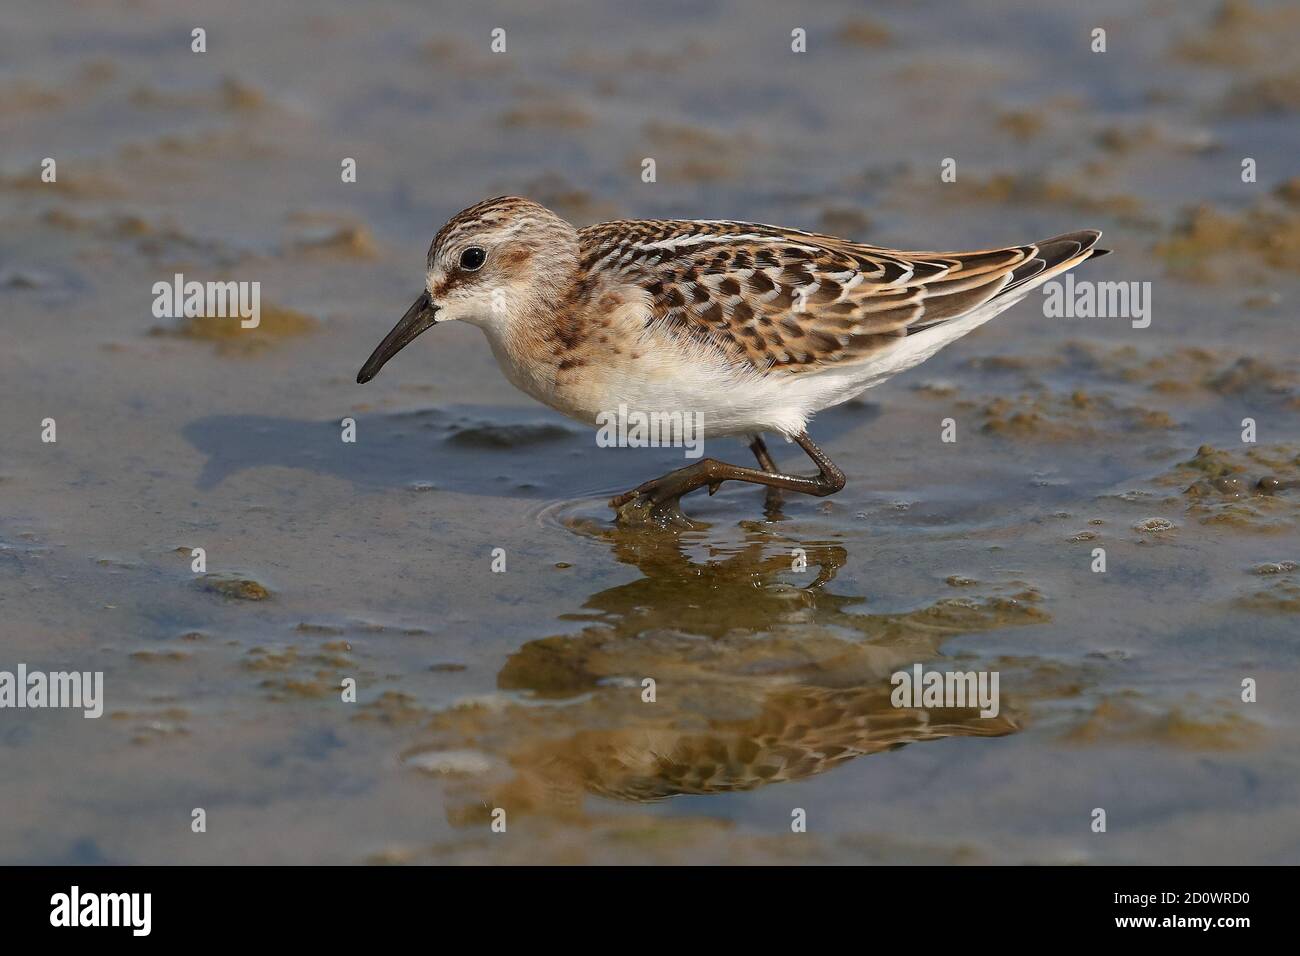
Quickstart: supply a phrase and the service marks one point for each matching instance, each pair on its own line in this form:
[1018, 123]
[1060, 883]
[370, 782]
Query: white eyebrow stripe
[508, 229]
[516, 226]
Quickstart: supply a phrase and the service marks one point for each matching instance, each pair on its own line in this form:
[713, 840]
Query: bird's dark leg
[772, 500]
[658, 501]
[759, 448]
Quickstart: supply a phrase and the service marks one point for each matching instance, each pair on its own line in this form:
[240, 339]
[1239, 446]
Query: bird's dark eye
[472, 259]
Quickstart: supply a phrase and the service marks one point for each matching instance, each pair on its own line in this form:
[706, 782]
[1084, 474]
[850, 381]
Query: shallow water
[522, 690]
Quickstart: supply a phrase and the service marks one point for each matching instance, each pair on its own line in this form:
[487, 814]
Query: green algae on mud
[1194, 725]
[234, 586]
[276, 323]
[1252, 490]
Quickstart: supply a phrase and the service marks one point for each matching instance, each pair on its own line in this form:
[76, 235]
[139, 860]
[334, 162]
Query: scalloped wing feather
[782, 300]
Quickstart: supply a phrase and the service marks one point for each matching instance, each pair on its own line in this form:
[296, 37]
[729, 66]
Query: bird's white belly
[734, 401]
[676, 382]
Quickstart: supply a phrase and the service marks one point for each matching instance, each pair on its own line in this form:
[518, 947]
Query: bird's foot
[636, 509]
[658, 503]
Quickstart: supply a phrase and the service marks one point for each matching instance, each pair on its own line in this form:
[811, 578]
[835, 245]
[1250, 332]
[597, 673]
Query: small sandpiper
[744, 327]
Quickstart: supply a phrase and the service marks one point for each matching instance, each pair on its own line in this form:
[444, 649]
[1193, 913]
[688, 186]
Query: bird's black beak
[418, 318]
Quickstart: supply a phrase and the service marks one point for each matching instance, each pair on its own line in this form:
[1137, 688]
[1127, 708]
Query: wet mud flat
[770, 634]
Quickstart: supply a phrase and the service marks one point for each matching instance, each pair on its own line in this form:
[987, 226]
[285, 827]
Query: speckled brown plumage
[792, 301]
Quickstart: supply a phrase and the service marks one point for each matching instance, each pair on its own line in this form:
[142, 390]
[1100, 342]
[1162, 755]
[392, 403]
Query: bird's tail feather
[1051, 258]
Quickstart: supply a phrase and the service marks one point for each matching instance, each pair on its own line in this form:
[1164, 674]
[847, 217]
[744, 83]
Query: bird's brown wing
[783, 300]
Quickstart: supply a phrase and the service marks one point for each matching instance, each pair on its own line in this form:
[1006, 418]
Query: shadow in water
[470, 449]
[462, 448]
[762, 673]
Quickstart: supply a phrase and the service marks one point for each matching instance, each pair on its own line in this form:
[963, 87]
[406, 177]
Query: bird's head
[495, 265]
